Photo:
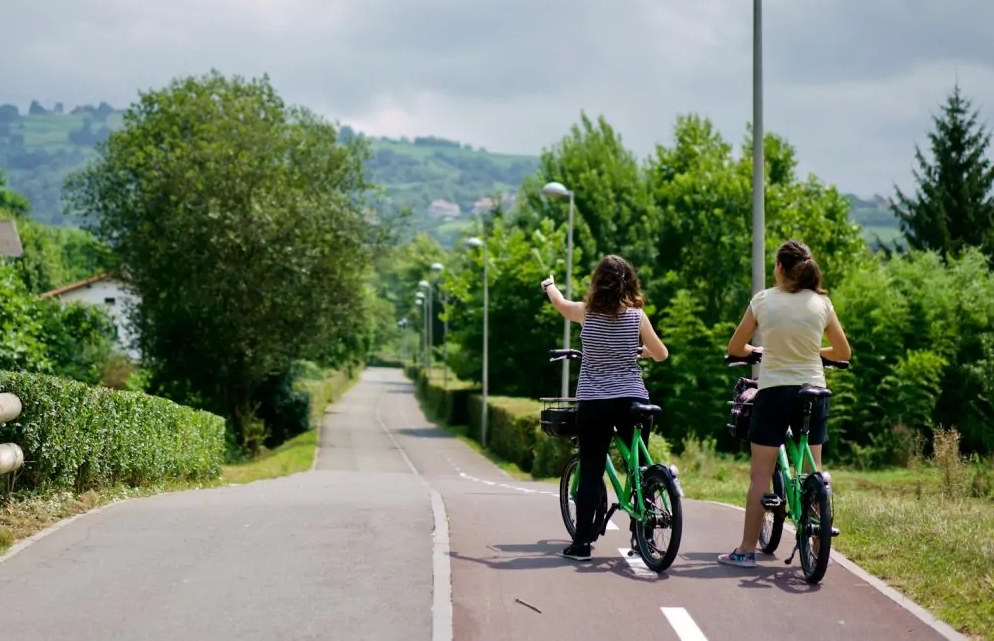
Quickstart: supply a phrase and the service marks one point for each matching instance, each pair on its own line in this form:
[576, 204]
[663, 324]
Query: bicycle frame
[799, 455]
[631, 455]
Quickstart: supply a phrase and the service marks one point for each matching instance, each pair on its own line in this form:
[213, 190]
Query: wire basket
[558, 417]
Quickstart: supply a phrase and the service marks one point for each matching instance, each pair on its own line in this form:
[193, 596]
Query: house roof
[80, 284]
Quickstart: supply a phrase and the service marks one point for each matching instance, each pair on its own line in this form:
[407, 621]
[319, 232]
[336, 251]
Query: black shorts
[774, 409]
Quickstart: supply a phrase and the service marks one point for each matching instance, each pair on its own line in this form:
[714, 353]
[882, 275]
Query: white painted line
[916, 610]
[636, 563]
[441, 568]
[612, 526]
[683, 624]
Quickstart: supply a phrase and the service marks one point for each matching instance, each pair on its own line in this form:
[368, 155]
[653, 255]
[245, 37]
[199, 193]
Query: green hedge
[513, 430]
[81, 437]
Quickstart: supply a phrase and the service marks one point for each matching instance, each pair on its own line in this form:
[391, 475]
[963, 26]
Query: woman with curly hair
[610, 377]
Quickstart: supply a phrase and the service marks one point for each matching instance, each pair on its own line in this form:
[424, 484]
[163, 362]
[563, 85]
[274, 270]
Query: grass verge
[296, 455]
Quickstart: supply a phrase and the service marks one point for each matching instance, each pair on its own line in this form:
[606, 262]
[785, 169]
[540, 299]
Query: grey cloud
[825, 41]
[849, 83]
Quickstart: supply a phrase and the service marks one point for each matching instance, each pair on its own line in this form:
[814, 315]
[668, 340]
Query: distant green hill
[440, 180]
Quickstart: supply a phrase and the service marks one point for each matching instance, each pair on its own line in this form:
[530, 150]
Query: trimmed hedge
[80, 437]
[513, 430]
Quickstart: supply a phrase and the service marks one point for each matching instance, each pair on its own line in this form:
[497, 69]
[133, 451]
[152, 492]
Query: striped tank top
[609, 368]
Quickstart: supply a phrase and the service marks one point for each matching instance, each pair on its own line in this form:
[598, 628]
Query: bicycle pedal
[771, 501]
[835, 532]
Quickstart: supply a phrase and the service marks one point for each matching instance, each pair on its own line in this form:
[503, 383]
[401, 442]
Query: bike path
[509, 582]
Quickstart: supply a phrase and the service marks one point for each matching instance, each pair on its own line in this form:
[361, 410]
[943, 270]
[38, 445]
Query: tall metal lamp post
[438, 267]
[402, 324]
[558, 190]
[420, 298]
[476, 242]
[758, 162]
[431, 322]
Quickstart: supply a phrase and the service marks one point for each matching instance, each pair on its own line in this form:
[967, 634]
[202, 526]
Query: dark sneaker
[578, 552]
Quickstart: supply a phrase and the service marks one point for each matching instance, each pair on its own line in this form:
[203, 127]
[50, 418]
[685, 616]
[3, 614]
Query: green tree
[524, 326]
[614, 212]
[953, 203]
[704, 197]
[241, 222]
[920, 329]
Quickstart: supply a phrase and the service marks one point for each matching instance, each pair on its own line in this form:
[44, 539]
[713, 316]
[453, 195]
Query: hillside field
[443, 182]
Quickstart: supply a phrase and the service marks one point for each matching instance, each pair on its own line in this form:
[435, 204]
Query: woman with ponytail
[792, 318]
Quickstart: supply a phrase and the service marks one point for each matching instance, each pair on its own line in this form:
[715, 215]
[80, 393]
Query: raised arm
[574, 311]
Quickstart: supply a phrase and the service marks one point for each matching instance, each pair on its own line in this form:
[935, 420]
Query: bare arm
[652, 343]
[571, 310]
[839, 349]
[739, 343]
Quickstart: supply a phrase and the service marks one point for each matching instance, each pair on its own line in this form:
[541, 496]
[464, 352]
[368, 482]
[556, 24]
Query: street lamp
[758, 163]
[402, 324]
[558, 190]
[438, 267]
[431, 342]
[420, 298]
[476, 242]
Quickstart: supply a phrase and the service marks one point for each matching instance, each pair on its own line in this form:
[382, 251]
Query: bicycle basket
[742, 397]
[558, 417]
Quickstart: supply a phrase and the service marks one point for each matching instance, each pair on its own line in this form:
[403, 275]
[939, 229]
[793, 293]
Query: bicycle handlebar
[757, 357]
[562, 354]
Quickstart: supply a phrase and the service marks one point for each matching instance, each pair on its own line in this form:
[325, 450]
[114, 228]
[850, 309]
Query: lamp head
[556, 190]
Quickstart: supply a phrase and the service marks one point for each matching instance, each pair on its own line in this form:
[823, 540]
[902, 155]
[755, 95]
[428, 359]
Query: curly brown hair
[613, 286]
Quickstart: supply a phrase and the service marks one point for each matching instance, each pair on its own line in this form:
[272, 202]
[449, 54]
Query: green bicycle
[805, 499]
[644, 480]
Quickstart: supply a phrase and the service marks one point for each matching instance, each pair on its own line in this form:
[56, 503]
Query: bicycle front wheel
[658, 539]
[814, 536]
[567, 499]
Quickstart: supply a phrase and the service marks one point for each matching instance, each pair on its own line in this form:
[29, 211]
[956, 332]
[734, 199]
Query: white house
[110, 291]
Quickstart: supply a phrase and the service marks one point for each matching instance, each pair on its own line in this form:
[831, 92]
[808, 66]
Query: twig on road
[528, 605]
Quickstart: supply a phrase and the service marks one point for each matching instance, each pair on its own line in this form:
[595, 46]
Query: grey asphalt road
[346, 552]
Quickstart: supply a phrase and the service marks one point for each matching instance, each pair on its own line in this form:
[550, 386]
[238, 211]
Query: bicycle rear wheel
[567, 502]
[814, 536]
[664, 515]
[773, 520]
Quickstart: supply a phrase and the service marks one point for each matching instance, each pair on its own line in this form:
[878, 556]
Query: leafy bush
[80, 437]
[284, 411]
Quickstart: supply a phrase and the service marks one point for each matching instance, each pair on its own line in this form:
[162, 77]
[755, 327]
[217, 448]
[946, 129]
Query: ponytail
[799, 268]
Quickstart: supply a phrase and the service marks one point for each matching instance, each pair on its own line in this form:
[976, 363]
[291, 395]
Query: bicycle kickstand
[790, 558]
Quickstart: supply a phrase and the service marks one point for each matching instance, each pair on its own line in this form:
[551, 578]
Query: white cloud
[850, 83]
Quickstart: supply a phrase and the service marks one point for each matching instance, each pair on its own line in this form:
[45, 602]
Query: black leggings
[594, 421]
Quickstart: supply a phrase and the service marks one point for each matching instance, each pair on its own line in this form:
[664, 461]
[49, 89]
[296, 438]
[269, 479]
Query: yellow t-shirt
[791, 327]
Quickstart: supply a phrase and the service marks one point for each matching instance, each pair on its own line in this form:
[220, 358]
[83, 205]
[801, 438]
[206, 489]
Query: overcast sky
[851, 83]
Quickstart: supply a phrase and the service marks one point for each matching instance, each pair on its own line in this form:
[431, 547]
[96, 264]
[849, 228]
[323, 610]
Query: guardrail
[11, 456]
